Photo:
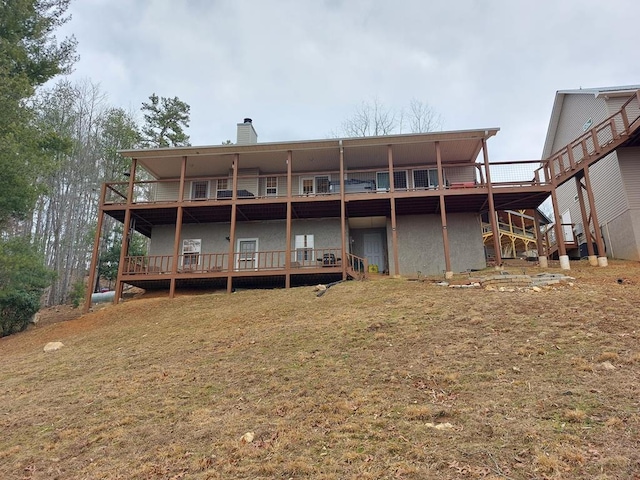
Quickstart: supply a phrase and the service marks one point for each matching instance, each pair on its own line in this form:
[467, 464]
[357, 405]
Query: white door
[247, 254]
[373, 250]
[567, 227]
[304, 250]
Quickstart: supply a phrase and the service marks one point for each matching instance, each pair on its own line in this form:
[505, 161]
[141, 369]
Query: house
[294, 213]
[614, 177]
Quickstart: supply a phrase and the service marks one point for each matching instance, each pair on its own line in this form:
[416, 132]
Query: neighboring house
[615, 179]
[294, 213]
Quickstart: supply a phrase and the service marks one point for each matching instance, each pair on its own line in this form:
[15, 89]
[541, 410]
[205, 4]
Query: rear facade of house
[293, 213]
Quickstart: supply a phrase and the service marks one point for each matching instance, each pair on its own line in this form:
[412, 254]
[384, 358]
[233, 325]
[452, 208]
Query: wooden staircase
[596, 143]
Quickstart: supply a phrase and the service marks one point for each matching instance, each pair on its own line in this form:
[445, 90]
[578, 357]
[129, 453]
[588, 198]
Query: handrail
[610, 130]
[357, 267]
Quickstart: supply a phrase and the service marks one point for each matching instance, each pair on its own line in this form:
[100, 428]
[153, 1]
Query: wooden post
[585, 223]
[448, 273]
[542, 254]
[602, 256]
[343, 216]
[287, 249]
[394, 226]
[178, 229]
[232, 228]
[125, 232]
[492, 208]
[96, 252]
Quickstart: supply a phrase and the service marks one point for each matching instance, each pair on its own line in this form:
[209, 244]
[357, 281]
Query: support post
[542, 254]
[602, 256]
[448, 272]
[394, 227]
[125, 232]
[593, 260]
[287, 248]
[91, 281]
[343, 216]
[232, 227]
[492, 208]
[178, 229]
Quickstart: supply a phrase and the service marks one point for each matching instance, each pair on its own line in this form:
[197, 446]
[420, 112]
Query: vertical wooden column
[586, 228]
[602, 255]
[343, 216]
[448, 273]
[91, 281]
[232, 228]
[562, 249]
[492, 209]
[125, 231]
[287, 248]
[542, 254]
[178, 229]
[394, 227]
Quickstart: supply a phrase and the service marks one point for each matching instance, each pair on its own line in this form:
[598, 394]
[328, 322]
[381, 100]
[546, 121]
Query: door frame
[238, 252]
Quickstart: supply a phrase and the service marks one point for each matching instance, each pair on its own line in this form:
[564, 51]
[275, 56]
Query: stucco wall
[271, 235]
[620, 236]
[420, 245]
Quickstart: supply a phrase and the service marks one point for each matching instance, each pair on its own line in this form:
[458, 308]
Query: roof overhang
[602, 92]
[456, 146]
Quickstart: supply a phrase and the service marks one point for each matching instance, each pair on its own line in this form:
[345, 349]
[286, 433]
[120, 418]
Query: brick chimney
[246, 133]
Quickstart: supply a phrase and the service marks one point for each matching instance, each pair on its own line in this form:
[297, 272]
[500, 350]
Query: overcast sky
[300, 67]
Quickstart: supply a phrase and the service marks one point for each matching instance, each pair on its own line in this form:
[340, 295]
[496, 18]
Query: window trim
[192, 191]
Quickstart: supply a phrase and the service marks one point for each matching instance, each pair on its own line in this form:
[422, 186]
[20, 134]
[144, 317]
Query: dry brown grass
[380, 379]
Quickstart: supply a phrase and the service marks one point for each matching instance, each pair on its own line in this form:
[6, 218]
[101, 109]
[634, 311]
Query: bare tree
[422, 118]
[373, 118]
[370, 119]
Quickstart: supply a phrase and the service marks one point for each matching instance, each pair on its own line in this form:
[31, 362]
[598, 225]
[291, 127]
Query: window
[322, 184]
[223, 184]
[427, 178]
[304, 249]
[314, 185]
[306, 186]
[272, 186]
[399, 180]
[191, 252]
[200, 190]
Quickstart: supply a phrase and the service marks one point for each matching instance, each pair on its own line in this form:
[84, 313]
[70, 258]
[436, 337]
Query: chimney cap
[247, 120]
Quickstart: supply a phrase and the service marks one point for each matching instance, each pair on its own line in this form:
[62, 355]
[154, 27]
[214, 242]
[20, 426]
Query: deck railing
[203, 263]
[414, 178]
[593, 142]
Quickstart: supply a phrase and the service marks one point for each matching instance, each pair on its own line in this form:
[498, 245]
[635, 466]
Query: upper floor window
[427, 178]
[399, 180]
[272, 186]
[199, 190]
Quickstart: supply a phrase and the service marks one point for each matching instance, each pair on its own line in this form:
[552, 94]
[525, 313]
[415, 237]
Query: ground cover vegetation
[378, 379]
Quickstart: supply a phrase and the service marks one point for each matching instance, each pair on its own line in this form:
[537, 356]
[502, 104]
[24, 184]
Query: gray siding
[606, 178]
[421, 248]
[576, 110]
[629, 162]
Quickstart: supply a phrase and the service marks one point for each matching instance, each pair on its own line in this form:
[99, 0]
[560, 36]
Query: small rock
[53, 346]
[536, 289]
[247, 437]
[439, 426]
[607, 366]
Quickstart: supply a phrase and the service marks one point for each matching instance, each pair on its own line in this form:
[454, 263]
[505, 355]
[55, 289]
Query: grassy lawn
[380, 379]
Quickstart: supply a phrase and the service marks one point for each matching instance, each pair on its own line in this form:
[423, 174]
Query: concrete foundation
[448, 275]
[564, 262]
[593, 260]
[543, 262]
[603, 262]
